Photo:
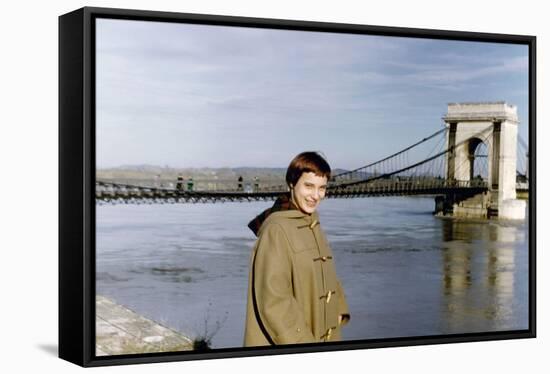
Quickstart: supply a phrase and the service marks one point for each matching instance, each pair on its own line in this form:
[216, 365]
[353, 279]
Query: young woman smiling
[294, 295]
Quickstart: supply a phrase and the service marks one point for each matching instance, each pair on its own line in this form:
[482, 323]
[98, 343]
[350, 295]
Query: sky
[183, 95]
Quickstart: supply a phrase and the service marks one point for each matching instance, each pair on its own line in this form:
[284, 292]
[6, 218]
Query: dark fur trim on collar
[282, 203]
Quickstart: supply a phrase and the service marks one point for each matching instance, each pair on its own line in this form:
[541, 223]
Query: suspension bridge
[468, 156]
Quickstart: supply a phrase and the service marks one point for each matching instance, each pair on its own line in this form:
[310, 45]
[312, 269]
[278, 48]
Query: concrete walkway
[120, 330]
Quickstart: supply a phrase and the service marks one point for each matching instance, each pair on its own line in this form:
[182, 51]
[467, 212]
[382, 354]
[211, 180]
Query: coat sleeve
[279, 311]
[343, 309]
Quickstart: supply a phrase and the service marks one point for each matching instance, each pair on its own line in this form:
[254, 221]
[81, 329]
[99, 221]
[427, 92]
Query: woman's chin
[308, 209]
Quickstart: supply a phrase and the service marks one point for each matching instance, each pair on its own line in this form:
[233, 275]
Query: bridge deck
[130, 194]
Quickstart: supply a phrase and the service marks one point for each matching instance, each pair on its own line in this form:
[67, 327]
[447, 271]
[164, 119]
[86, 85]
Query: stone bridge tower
[496, 125]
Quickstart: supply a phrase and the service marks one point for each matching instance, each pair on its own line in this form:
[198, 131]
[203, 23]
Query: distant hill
[146, 171]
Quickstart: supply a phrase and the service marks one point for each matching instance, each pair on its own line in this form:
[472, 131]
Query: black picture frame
[77, 184]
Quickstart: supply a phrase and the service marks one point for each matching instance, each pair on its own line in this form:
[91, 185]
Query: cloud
[207, 89]
[445, 76]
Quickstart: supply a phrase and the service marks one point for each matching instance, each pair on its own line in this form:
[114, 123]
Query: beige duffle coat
[294, 295]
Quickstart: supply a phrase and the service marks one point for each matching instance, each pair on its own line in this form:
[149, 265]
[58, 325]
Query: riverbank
[120, 330]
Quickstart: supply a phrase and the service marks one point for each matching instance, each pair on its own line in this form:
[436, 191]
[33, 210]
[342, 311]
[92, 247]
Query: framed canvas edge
[77, 183]
[71, 315]
[76, 190]
[308, 348]
[532, 185]
[274, 23]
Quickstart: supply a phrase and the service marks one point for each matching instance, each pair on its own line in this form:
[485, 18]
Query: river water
[405, 272]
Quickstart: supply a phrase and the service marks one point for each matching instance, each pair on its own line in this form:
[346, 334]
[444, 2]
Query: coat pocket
[295, 335]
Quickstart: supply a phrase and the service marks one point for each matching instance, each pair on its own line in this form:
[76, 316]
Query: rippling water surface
[405, 272]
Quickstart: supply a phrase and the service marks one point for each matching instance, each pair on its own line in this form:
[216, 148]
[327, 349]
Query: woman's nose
[316, 194]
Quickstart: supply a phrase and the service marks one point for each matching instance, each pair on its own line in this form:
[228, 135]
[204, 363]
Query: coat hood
[282, 204]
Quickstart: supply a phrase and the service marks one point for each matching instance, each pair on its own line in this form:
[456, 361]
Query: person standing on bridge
[294, 295]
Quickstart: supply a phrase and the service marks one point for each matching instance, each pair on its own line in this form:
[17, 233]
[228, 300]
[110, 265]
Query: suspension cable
[393, 155]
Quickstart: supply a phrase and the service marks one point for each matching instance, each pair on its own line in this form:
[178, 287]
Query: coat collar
[283, 206]
[296, 214]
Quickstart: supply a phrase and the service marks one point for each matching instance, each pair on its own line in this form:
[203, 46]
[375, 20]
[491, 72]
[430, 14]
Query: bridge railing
[522, 186]
[380, 184]
[202, 184]
[119, 193]
[403, 185]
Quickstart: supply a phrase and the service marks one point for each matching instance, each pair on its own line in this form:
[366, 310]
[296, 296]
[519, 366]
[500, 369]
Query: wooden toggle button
[323, 258]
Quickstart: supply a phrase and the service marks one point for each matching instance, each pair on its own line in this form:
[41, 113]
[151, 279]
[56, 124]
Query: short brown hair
[307, 162]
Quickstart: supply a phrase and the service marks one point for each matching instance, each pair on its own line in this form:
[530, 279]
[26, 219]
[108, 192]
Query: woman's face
[309, 191]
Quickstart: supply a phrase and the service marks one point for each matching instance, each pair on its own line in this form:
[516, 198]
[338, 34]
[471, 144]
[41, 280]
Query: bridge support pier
[476, 206]
[496, 125]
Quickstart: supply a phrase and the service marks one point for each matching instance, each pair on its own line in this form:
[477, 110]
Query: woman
[294, 295]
